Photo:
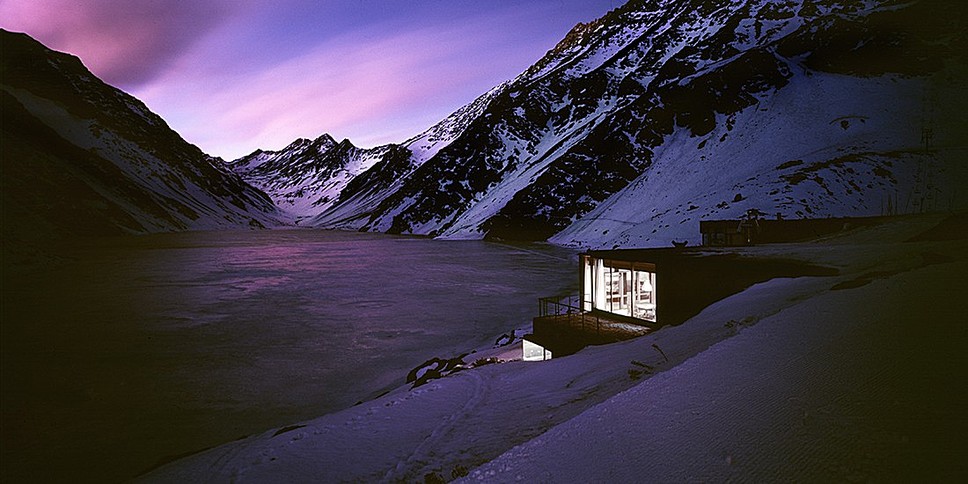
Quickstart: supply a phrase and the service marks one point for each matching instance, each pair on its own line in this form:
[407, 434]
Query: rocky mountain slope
[83, 158]
[307, 178]
[662, 113]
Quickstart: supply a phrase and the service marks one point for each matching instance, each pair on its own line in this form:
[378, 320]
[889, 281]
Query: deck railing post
[567, 316]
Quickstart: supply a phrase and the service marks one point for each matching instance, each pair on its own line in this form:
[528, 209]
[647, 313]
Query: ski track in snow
[423, 453]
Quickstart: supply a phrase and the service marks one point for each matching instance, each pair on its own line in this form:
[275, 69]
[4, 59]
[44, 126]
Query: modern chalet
[627, 293]
[630, 292]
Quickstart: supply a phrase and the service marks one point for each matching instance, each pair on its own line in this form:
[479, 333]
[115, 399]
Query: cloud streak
[125, 42]
[372, 89]
[235, 75]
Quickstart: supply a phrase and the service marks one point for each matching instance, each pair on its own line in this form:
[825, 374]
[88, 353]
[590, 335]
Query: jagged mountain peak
[321, 144]
[307, 176]
[289, 175]
[298, 143]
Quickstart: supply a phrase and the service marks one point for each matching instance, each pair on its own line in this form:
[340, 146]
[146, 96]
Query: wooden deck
[565, 334]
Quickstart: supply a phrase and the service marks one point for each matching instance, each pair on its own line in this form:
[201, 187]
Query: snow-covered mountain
[664, 112]
[81, 157]
[363, 196]
[307, 176]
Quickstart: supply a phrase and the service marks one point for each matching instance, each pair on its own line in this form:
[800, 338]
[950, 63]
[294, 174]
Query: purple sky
[235, 75]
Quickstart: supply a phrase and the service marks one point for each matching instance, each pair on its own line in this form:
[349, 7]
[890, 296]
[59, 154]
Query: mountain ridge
[83, 158]
[629, 131]
[307, 175]
[539, 155]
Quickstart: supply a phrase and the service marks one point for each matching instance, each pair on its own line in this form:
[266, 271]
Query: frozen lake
[129, 351]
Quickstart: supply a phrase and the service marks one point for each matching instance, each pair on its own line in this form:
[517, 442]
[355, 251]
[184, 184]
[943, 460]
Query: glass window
[644, 295]
[619, 287]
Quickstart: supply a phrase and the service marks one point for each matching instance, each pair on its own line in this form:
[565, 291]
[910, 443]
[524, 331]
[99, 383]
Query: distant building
[753, 230]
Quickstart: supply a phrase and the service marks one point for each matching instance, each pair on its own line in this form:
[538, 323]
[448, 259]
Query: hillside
[83, 158]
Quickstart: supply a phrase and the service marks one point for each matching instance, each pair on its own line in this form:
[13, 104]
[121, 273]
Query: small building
[753, 229]
[630, 292]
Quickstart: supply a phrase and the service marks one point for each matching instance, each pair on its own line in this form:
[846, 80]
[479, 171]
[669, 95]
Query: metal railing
[558, 305]
[567, 310]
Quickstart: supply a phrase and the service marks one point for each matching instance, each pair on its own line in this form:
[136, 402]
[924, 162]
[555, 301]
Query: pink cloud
[124, 42]
[236, 75]
[371, 89]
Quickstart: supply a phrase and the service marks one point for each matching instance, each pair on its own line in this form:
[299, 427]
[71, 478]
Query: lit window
[535, 352]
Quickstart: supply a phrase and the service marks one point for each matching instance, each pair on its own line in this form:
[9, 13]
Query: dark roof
[657, 255]
[712, 260]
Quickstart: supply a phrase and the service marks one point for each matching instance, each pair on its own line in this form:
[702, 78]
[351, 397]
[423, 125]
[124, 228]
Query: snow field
[846, 385]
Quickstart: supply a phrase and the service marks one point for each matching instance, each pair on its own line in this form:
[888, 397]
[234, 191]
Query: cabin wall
[691, 285]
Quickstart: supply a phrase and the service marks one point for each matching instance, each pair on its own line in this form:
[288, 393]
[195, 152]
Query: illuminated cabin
[627, 293]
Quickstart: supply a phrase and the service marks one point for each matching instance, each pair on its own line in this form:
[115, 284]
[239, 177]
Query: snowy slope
[314, 179]
[427, 144]
[848, 396]
[756, 387]
[594, 145]
[363, 195]
[82, 157]
[796, 157]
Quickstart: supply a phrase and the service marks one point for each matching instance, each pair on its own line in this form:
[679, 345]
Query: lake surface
[124, 352]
